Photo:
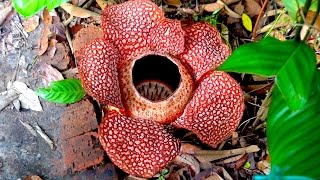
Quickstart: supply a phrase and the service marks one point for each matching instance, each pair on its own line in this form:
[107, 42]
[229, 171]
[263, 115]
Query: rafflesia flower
[150, 72]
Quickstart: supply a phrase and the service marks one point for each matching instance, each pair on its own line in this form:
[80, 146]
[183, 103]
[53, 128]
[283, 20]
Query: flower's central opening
[155, 77]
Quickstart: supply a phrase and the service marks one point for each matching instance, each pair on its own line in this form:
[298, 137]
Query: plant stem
[302, 19]
[313, 21]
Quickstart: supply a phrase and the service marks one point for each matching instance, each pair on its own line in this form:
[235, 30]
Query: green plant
[294, 116]
[31, 7]
[63, 92]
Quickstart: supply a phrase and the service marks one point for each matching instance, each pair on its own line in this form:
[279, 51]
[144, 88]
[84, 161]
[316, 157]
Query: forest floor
[45, 140]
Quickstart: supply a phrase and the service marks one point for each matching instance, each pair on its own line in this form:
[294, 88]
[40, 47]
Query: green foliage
[63, 92]
[293, 7]
[162, 174]
[293, 64]
[31, 7]
[212, 19]
[293, 120]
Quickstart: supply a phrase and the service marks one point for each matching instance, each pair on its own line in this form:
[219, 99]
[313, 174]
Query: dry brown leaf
[31, 23]
[233, 159]
[239, 8]
[4, 13]
[49, 74]
[207, 156]
[234, 138]
[187, 148]
[32, 177]
[46, 17]
[227, 2]
[44, 40]
[212, 7]
[78, 11]
[61, 58]
[252, 7]
[190, 160]
[75, 2]
[103, 4]
[176, 3]
[52, 47]
[228, 10]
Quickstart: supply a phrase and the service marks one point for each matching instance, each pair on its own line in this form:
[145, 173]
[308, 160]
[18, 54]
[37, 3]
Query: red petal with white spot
[128, 25]
[215, 110]
[98, 71]
[168, 37]
[204, 49]
[139, 147]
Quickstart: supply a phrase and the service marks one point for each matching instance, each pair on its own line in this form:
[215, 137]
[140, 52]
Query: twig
[254, 32]
[44, 136]
[312, 21]
[302, 19]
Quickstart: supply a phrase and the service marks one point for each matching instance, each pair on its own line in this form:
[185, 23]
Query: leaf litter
[238, 156]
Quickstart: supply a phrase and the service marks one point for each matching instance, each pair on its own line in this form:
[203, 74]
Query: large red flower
[151, 72]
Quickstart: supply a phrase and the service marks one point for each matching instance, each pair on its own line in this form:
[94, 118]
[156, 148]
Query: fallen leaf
[103, 4]
[45, 136]
[239, 8]
[191, 161]
[228, 10]
[234, 138]
[32, 177]
[52, 47]
[207, 156]
[4, 13]
[227, 2]
[187, 148]
[44, 40]
[211, 174]
[46, 17]
[212, 7]
[28, 98]
[75, 2]
[31, 23]
[29, 128]
[252, 7]
[61, 58]
[7, 97]
[78, 11]
[176, 3]
[49, 74]
[246, 21]
[59, 30]
[71, 73]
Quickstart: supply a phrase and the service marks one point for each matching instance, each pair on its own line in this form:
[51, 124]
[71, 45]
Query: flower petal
[204, 49]
[164, 111]
[128, 25]
[168, 37]
[98, 71]
[139, 147]
[215, 110]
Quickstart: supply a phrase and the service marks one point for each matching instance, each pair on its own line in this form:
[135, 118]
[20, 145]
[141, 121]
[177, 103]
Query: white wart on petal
[215, 110]
[139, 147]
[98, 71]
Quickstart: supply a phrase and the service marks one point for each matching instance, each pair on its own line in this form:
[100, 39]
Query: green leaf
[292, 62]
[31, 7]
[293, 136]
[64, 91]
[246, 21]
[293, 6]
